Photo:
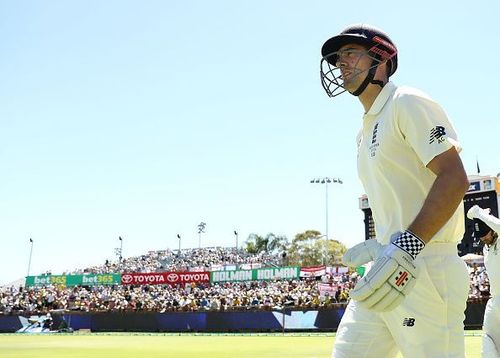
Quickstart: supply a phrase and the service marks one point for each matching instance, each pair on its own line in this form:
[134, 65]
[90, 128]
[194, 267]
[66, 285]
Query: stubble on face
[353, 68]
[352, 79]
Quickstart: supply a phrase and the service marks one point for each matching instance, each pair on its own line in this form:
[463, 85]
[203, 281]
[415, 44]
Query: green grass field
[181, 346]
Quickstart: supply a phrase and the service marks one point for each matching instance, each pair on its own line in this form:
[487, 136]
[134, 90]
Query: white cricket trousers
[429, 322]
[491, 329]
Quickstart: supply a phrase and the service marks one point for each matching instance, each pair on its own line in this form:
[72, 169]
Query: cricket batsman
[413, 298]
[486, 229]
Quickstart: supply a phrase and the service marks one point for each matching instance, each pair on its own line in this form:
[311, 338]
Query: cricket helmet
[378, 45]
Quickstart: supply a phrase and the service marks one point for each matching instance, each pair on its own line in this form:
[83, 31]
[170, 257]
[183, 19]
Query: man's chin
[350, 89]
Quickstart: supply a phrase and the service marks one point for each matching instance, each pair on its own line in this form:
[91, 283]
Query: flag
[31, 240]
[313, 271]
[477, 165]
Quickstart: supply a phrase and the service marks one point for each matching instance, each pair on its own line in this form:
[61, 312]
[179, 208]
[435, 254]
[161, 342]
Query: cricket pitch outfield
[158, 345]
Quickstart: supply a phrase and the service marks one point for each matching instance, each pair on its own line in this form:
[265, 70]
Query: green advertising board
[360, 270]
[277, 273]
[74, 280]
[273, 273]
[231, 276]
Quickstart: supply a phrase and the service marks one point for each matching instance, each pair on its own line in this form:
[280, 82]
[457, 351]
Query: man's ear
[382, 71]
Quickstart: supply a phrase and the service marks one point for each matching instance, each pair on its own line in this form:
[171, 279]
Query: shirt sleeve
[490, 220]
[425, 126]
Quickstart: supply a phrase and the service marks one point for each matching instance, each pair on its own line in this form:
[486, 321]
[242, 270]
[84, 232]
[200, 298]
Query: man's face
[353, 61]
[489, 238]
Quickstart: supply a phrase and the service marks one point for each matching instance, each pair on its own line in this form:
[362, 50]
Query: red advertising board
[164, 278]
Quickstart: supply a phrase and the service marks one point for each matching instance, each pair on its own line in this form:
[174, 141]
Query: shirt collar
[382, 98]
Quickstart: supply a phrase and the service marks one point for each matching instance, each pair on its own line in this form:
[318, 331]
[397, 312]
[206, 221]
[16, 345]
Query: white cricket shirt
[492, 264]
[402, 132]
[491, 254]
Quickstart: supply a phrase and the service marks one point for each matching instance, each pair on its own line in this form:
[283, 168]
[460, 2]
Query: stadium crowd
[479, 289]
[186, 260]
[256, 295]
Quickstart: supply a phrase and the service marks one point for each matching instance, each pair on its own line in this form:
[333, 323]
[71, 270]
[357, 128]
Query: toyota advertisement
[165, 278]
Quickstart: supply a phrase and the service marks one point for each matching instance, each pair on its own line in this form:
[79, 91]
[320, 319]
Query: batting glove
[362, 253]
[392, 276]
[476, 212]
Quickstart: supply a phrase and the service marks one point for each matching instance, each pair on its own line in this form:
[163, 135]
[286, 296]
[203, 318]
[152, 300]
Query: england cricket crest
[374, 141]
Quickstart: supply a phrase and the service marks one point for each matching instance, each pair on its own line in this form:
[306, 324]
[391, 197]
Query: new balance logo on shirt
[437, 133]
[409, 322]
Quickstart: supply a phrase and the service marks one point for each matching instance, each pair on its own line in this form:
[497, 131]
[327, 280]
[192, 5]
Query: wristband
[410, 243]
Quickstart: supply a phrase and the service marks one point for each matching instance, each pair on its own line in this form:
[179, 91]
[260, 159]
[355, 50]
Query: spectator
[263, 295]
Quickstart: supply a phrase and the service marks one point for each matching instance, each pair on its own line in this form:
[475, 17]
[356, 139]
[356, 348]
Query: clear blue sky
[141, 119]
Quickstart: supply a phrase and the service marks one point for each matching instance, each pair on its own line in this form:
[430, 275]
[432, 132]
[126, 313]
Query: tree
[254, 244]
[310, 248]
[271, 243]
[276, 244]
[335, 251]
[305, 249]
